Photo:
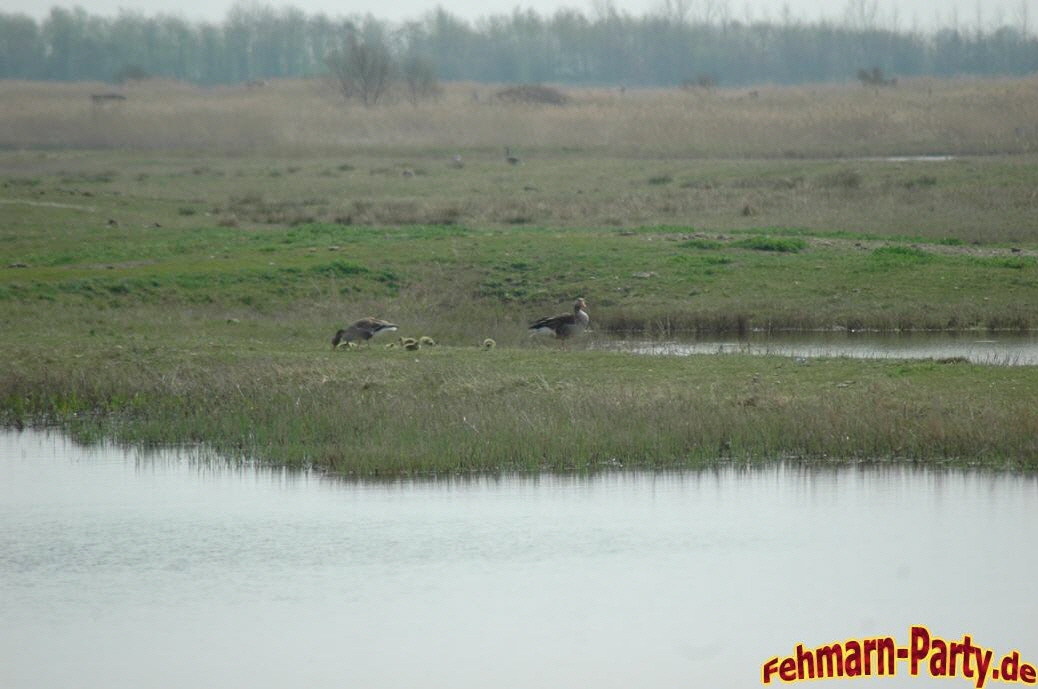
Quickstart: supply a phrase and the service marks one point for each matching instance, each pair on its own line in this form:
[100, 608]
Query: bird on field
[362, 330]
[426, 341]
[566, 324]
[409, 343]
[489, 343]
[511, 159]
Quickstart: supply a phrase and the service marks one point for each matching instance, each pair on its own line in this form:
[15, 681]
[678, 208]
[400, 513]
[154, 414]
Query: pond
[121, 569]
[1000, 349]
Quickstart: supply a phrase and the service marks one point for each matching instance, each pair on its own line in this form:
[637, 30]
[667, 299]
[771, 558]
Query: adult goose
[565, 324]
[362, 330]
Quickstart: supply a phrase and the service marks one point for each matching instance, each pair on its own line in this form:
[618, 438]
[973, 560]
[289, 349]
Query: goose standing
[565, 324]
[362, 330]
[511, 159]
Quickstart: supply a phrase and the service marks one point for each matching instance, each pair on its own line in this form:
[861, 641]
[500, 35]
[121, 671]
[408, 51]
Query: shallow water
[122, 570]
[997, 349]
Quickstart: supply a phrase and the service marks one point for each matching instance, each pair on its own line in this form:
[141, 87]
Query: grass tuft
[776, 244]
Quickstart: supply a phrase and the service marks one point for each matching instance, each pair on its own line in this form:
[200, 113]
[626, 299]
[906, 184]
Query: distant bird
[426, 341]
[511, 159]
[456, 161]
[362, 330]
[566, 324]
[489, 343]
[409, 343]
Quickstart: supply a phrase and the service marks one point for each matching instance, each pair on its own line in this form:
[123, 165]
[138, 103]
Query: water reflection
[1002, 349]
[123, 570]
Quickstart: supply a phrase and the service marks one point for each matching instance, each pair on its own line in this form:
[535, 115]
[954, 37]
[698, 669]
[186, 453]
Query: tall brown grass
[918, 117]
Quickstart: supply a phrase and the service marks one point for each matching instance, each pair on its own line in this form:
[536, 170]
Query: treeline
[611, 48]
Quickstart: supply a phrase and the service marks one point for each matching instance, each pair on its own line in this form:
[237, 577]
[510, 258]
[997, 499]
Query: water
[1002, 349]
[121, 570]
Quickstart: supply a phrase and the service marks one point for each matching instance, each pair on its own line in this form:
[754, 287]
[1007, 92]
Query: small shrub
[21, 182]
[447, 215]
[874, 77]
[778, 244]
[702, 81]
[904, 255]
[1011, 262]
[924, 181]
[842, 179]
[532, 94]
[339, 269]
[705, 244]
[130, 72]
[103, 177]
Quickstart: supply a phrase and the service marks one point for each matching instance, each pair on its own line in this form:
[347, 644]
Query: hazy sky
[901, 14]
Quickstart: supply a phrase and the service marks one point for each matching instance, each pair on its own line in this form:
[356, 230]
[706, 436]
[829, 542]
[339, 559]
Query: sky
[922, 15]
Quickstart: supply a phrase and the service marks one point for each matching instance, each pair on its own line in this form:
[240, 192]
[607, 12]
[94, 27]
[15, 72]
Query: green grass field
[168, 297]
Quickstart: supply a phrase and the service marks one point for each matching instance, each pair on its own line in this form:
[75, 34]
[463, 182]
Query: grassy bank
[465, 283]
[442, 410]
[158, 295]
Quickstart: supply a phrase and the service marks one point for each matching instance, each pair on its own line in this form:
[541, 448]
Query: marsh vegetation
[173, 267]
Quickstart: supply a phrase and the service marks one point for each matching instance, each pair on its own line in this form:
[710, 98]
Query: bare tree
[420, 79]
[363, 68]
[677, 11]
[1022, 17]
[862, 15]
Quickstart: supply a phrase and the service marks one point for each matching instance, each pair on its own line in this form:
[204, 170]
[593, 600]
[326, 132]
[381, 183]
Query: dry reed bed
[921, 116]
